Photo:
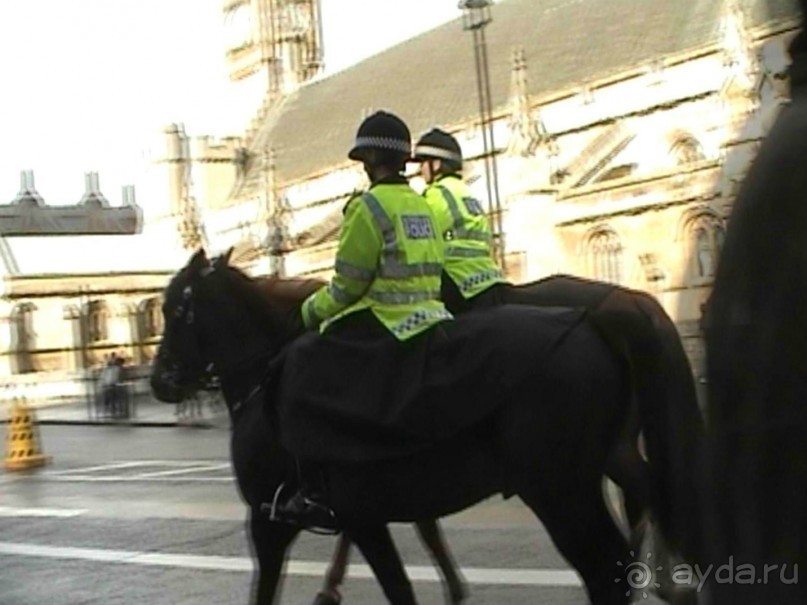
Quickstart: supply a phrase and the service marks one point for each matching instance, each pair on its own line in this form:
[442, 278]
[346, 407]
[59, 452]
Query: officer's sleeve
[439, 207]
[357, 257]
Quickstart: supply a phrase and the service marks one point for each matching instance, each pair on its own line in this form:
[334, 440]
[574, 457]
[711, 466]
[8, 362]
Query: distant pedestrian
[110, 377]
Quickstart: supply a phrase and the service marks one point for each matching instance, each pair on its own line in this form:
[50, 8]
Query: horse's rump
[355, 394]
[559, 291]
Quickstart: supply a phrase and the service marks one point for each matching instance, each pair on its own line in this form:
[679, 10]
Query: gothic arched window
[152, 318]
[706, 241]
[97, 318]
[704, 252]
[604, 251]
[687, 150]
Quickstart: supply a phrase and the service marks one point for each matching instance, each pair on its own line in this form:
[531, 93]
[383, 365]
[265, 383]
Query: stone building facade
[621, 136]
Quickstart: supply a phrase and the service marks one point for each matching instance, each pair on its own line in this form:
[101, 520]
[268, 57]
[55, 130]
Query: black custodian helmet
[384, 132]
[438, 145]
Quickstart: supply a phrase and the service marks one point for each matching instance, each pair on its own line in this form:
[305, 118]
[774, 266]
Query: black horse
[637, 328]
[215, 314]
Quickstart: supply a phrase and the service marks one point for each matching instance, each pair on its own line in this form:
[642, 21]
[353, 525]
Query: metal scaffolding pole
[476, 17]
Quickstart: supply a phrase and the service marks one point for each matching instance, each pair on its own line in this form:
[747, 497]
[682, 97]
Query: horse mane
[275, 302]
[286, 293]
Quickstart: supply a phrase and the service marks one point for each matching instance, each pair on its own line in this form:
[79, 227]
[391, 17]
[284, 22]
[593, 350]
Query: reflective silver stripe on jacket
[466, 252]
[393, 267]
[399, 271]
[458, 230]
[339, 295]
[477, 236]
[354, 272]
[403, 298]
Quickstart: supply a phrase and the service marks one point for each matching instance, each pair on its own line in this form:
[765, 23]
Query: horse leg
[432, 538]
[330, 595]
[375, 543]
[270, 541]
[626, 467]
[585, 534]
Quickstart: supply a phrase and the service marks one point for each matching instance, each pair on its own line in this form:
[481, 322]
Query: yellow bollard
[22, 439]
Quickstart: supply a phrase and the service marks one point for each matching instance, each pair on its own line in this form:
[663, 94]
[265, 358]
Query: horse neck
[245, 389]
[266, 316]
[241, 386]
[284, 298]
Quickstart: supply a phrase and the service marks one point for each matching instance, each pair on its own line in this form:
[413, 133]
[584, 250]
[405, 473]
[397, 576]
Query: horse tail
[672, 425]
[636, 326]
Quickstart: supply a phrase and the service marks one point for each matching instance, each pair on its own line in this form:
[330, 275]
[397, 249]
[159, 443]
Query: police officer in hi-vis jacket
[387, 270]
[389, 373]
[472, 275]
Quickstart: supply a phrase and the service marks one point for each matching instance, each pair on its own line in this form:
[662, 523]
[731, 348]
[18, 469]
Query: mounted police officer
[389, 375]
[472, 278]
[381, 227]
[386, 285]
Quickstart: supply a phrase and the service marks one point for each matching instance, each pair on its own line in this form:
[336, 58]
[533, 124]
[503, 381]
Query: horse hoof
[457, 598]
[327, 598]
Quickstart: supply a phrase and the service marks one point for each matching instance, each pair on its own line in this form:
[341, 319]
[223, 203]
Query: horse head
[218, 320]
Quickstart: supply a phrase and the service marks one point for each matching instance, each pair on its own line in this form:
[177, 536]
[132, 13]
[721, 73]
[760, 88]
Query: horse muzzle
[166, 387]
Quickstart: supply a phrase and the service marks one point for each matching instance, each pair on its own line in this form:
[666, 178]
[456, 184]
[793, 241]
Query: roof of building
[431, 79]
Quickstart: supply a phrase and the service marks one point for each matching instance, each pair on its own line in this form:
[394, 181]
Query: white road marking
[138, 478]
[417, 573]
[92, 469]
[176, 470]
[131, 464]
[195, 469]
[11, 511]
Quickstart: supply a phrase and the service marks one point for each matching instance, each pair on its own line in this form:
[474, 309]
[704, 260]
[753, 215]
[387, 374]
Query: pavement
[143, 411]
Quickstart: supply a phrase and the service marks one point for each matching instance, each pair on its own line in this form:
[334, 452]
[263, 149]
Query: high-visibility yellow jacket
[389, 260]
[466, 236]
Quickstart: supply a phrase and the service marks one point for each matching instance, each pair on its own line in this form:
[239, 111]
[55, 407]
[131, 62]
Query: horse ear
[198, 260]
[224, 259]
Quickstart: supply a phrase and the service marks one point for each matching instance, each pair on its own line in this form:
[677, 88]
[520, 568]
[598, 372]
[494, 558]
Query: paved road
[127, 515]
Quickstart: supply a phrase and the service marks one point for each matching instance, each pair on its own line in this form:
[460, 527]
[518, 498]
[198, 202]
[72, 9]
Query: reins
[272, 300]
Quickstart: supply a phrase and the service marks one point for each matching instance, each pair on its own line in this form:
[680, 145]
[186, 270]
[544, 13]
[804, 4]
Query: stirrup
[272, 509]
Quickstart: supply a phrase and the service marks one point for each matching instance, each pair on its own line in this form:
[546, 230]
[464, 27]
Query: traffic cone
[22, 439]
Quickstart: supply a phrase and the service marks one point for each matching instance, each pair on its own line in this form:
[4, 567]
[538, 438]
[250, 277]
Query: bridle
[179, 358]
[182, 353]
